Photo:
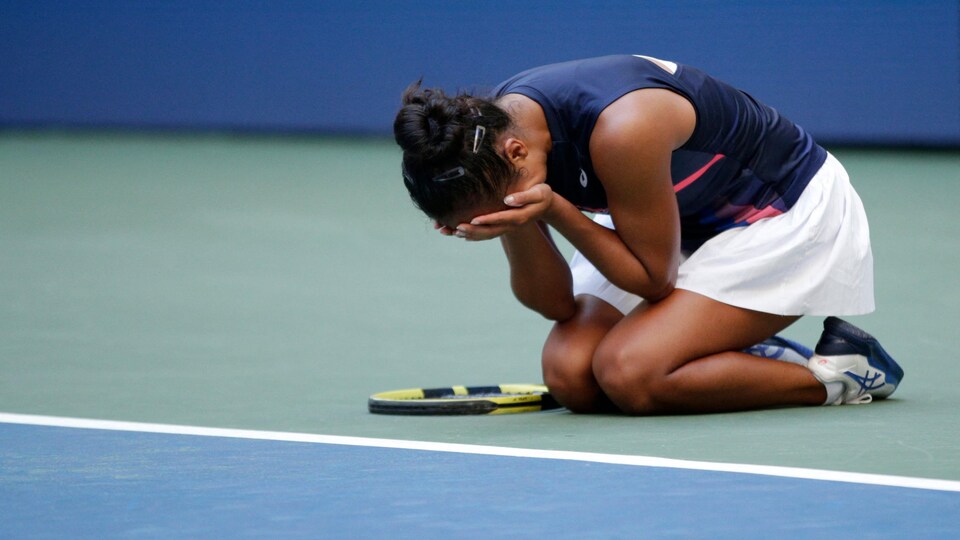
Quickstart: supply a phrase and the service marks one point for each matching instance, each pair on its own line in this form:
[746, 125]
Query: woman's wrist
[554, 212]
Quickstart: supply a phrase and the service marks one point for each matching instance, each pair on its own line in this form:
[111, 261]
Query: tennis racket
[462, 400]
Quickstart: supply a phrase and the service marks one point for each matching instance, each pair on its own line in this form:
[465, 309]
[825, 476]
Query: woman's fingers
[444, 230]
[536, 194]
[471, 232]
[514, 216]
[526, 206]
[480, 232]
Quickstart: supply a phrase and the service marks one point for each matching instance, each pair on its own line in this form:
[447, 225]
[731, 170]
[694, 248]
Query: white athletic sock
[834, 391]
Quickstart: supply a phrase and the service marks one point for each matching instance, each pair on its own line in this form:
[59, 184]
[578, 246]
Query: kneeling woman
[718, 224]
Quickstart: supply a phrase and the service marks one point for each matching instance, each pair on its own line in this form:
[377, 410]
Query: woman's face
[524, 145]
[533, 171]
[467, 214]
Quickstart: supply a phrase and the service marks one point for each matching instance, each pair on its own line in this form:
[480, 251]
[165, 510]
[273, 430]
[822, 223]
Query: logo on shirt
[583, 178]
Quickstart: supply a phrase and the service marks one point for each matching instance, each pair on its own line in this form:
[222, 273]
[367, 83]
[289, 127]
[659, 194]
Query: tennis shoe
[780, 348]
[848, 355]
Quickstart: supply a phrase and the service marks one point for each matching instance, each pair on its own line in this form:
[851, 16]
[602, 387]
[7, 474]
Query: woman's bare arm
[539, 276]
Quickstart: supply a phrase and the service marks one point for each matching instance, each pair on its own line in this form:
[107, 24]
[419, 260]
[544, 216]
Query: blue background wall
[881, 72]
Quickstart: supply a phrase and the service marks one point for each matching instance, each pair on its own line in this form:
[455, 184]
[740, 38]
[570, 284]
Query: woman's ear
[515, 151]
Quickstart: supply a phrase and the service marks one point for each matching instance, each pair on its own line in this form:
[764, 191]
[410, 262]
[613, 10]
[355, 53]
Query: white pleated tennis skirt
[814, 259]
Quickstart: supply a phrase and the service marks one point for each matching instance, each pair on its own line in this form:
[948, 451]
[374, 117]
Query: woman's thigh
[638, 355]
[686, 326]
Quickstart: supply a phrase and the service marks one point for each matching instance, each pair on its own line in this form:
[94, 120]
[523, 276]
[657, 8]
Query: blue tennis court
[84, 482]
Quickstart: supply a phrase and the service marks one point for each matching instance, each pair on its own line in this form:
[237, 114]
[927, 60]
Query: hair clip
[480, 132]
[452, 174]
[478, 136]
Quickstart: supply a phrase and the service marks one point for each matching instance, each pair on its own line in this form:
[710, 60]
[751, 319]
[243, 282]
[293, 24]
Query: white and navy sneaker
[780, 348]
[848, 355]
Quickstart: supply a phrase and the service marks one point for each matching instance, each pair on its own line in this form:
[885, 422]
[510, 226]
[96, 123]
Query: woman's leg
[681, 355]
[568, 355]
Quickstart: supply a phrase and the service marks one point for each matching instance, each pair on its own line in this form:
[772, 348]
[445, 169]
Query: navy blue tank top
[744, 161]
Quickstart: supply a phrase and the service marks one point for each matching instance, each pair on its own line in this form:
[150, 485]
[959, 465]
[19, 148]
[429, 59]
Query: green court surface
[274, 283]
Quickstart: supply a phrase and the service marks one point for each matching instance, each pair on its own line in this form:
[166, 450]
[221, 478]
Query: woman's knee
[568, 355]
[632, 377]
[568, 374]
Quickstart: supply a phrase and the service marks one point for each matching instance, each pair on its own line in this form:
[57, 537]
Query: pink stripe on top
[757, 215]
[695, 176]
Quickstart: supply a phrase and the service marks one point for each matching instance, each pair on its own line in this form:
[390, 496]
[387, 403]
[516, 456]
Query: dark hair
[438, 134]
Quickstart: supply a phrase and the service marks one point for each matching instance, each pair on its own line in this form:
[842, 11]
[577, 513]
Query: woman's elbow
[652, 289]
[561, 312]
[661, 292]
[554, 309]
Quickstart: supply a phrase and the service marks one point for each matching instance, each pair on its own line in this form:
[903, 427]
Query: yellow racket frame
[461, 400]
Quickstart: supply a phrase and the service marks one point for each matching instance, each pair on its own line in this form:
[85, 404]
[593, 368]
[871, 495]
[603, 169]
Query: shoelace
[860, 400]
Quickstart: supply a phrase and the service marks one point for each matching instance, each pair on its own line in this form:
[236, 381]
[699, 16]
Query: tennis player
[717, 224]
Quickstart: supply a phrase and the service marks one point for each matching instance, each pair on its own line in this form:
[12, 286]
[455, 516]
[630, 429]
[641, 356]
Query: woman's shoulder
[644, 117]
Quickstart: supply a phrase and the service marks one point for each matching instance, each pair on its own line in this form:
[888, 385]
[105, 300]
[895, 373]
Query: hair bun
[439, 135]
[431, 125]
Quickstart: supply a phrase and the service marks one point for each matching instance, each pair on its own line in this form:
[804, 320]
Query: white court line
[615, 459]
